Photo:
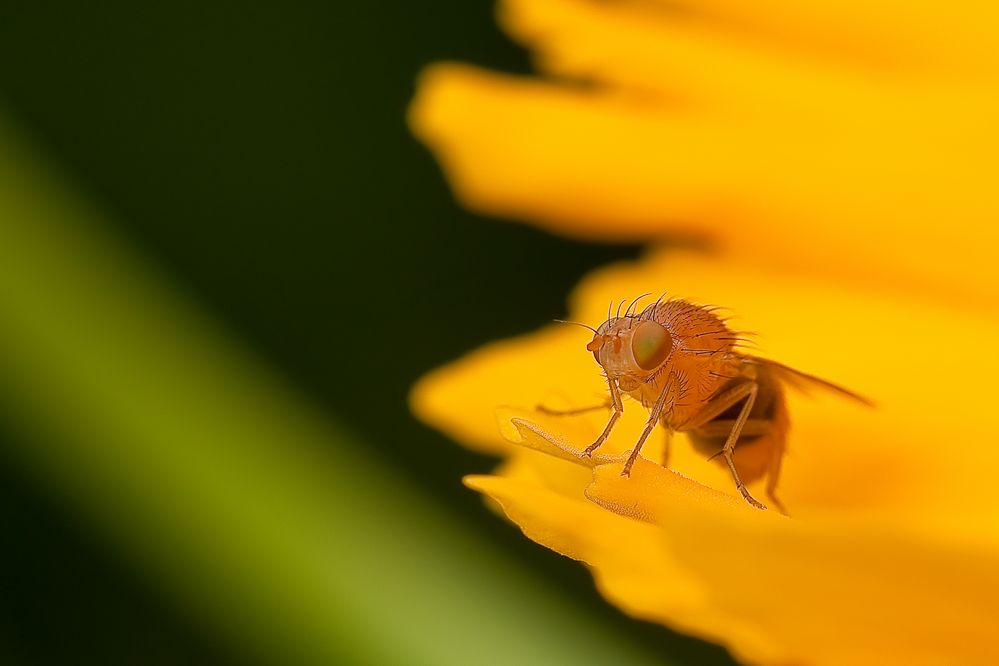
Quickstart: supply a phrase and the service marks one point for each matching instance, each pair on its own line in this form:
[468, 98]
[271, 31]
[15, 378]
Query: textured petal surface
[773, 590]
[827, 592]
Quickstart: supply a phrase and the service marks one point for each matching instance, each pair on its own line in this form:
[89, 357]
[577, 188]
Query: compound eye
[650, 345]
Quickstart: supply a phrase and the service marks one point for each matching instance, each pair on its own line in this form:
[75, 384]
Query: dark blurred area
[258, 153]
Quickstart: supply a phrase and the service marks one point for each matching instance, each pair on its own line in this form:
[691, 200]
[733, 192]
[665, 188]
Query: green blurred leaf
[242, 502]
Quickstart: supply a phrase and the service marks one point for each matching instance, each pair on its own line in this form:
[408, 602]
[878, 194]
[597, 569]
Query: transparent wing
[805, 383]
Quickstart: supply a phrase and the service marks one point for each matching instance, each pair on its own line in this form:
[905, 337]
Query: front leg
[618, 405]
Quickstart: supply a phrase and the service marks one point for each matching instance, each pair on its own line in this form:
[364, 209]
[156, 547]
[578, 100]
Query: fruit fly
[686, 366]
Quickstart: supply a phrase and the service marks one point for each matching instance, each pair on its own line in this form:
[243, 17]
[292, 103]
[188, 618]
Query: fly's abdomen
[765, 429]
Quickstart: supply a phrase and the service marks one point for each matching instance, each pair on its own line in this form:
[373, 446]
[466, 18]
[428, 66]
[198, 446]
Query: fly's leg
[747, 392]
[615, 398]
[733, 437]
[615, 415]
[654, 415]
[753, 428]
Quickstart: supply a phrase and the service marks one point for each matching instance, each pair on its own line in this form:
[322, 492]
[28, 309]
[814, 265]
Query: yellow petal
[891, 554]
[498, 135]
[772, 590]
[533, 467]
[888, 36]
[534, 436]
[787, 591]
[959, 36]
[632, 553]
[643, 494]
[681, 59]
[912, 205]
[462, 399]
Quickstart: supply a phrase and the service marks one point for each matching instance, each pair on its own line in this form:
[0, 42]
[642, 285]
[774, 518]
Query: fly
[687, 367]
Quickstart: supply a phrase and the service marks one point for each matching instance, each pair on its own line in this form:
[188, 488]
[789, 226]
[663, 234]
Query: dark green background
[258, 153]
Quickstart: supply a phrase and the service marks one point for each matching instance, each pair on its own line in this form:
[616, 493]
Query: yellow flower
[839, 155]
[892, 554]
[852, 135]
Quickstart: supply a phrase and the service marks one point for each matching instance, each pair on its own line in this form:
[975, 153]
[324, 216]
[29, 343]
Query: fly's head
[631, 349]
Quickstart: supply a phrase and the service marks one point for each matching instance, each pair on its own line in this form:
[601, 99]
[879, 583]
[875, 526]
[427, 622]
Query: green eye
[650, 345]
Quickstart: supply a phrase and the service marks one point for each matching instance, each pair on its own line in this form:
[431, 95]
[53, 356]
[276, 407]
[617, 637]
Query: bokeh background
[246, 167]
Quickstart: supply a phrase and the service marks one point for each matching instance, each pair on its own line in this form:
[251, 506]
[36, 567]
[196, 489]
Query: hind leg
[746, 393]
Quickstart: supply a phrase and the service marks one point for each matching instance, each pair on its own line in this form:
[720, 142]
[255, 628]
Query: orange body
[683, 363]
